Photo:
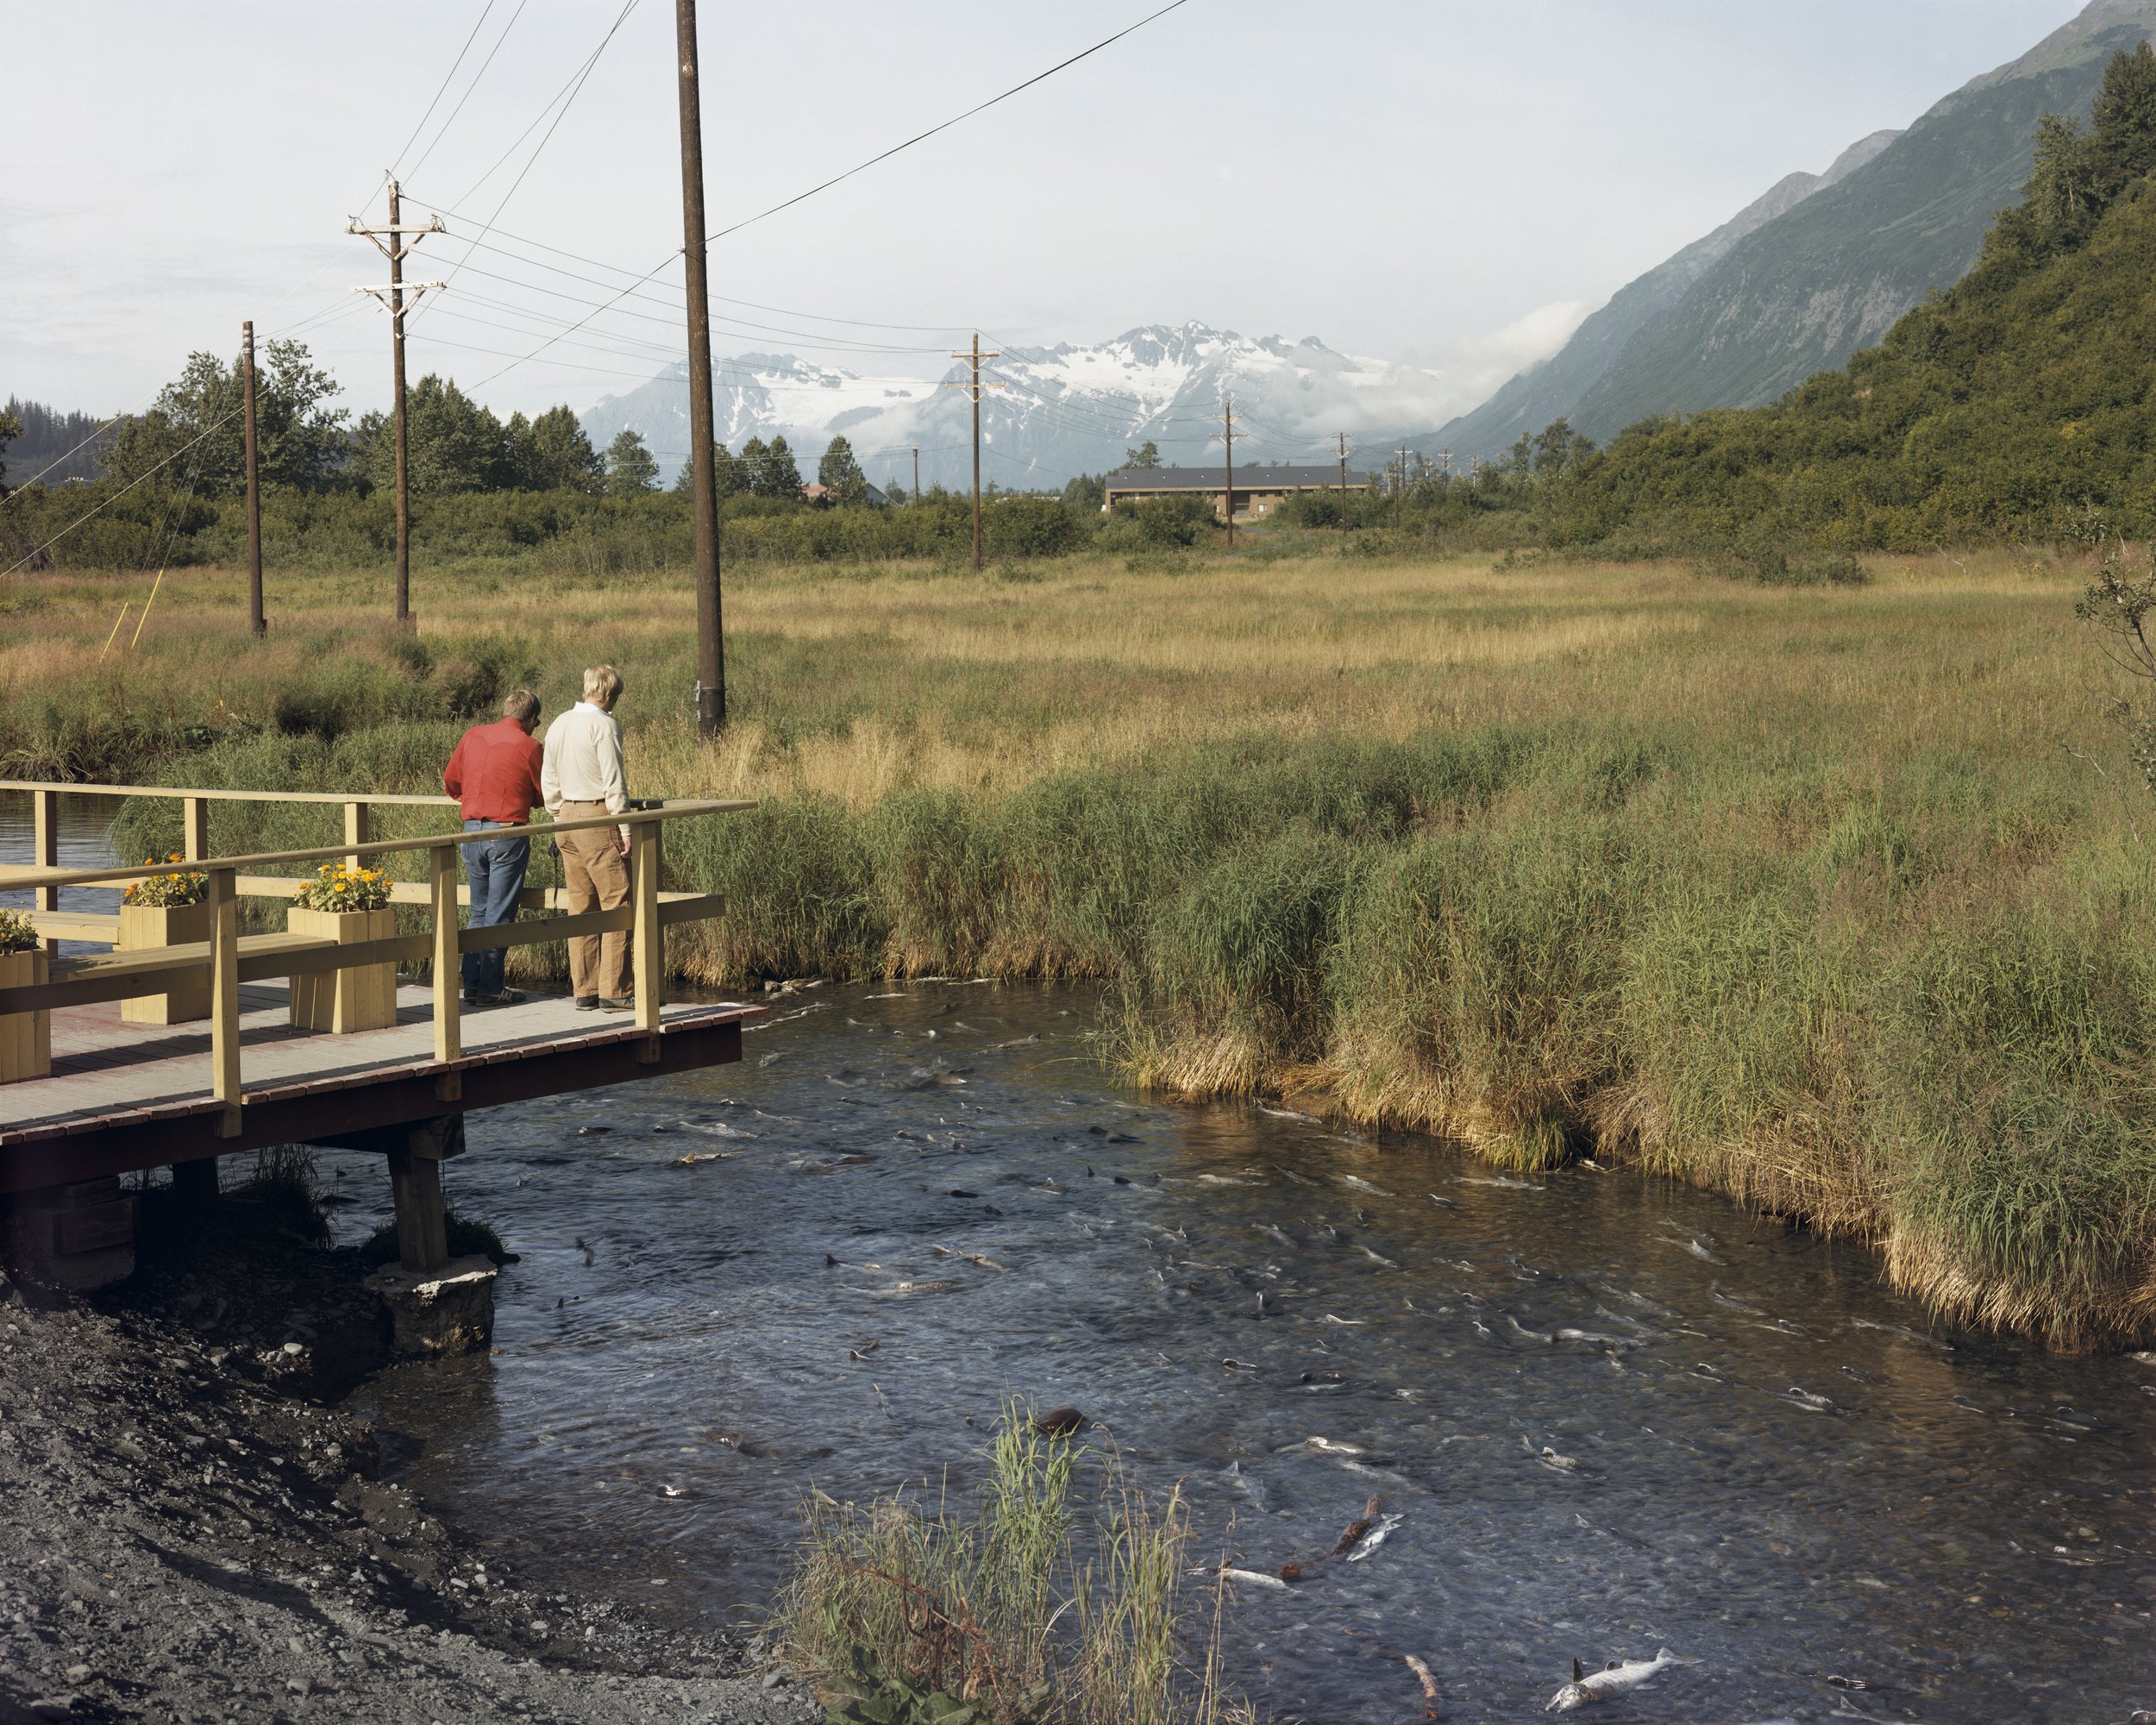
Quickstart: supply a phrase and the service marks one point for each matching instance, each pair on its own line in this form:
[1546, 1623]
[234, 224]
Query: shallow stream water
[1778, 1468]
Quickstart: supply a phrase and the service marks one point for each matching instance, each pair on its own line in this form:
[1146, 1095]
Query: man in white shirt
[581, 778]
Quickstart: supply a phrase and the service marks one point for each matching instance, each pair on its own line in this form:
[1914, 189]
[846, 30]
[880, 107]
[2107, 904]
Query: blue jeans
[495, 866]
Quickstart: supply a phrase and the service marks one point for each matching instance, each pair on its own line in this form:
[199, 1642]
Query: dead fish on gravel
[1223, 1180]
[1618, 1677]
[1272, 1231]
[1597, 1339]
[696, 1157]
[1562, 1464]
[1808, 1399]
[864, 1350]
[1525, 1334]
[1251, 1578]
[1289, 1114]
[1379, 1257]
[1237, 1364]
[982, 1261]
[1344, 1323]
[1503, 1180]
[1330, 1446]
[1443, 1203]
[1363, 1185]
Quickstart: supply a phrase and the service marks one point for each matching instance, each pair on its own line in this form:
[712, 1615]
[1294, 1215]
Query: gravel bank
[193, 1535]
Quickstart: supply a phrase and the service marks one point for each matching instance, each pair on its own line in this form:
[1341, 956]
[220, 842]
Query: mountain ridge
[1056, 411]
[1831, 272]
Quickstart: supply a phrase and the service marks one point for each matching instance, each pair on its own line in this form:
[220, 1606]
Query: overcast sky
[1420, 179]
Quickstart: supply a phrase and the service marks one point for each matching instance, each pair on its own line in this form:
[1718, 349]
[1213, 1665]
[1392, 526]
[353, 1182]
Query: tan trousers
[595, 877]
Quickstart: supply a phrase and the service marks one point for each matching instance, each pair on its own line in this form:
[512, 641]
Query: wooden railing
[230, 959]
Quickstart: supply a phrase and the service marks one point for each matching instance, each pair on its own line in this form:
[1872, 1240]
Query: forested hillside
[2015, 403]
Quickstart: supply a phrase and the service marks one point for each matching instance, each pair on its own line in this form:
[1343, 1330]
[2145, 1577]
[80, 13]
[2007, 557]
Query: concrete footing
[76, 1236]
[439, 1311]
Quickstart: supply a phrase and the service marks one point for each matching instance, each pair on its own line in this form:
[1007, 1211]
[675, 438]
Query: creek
[1776, 1467]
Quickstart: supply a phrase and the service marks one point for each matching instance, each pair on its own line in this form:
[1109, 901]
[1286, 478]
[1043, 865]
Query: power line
[567, 100]
[923, 137]
[108, 503]
[444, 89]
[885, 156]
[636, 292]
[49, 466]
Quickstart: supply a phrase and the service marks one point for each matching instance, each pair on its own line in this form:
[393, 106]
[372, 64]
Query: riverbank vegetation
[1064, 1596]
[1834, 897]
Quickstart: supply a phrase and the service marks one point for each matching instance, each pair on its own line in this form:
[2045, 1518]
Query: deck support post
[358, 829]
[415, 1181]
[439, 1305]
[195, 1183]
[647, 937]
[224, 997]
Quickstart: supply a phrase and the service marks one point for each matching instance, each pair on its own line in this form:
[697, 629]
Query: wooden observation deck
[123, 1095]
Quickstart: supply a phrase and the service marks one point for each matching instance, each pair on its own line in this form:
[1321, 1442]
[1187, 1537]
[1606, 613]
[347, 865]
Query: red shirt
[495, 773]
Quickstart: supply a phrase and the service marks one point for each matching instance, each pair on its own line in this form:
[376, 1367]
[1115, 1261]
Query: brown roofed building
[1260, 488]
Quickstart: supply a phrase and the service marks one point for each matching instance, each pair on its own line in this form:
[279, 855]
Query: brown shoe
[608, 1004]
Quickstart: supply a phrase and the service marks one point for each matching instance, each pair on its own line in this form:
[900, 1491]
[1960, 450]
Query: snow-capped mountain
[1058, 410]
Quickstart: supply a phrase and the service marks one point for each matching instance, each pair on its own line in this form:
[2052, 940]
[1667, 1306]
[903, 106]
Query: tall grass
[1062, 1598]
[1831, 898]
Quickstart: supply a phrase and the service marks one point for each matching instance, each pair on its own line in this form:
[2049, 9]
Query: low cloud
[1482, 366]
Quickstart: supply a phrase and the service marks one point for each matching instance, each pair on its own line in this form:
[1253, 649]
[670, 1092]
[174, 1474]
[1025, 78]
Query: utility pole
[255, 620]
[1226, 433]
[392, 297]
[1340, 437]
[917, 472]
[1399, 488]
[972, 389]
[711, 647]
[1446, 457]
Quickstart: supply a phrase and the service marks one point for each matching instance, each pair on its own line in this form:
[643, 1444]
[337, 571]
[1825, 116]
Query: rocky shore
[196, 1532]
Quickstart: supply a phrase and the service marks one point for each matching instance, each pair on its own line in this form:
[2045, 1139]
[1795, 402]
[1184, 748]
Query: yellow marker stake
[145, 616]
[124, 609]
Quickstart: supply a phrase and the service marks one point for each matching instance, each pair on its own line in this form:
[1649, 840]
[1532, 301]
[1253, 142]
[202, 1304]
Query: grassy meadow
[1833, 898]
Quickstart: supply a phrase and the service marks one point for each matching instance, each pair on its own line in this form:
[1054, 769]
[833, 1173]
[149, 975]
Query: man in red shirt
[495, 774]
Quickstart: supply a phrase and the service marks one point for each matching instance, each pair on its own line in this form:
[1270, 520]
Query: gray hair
[602, 685]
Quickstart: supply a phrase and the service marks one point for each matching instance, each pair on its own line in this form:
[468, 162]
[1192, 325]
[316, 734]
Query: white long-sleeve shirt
[583, 760]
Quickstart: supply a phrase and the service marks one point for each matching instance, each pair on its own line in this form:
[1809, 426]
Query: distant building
[1259, 488]
[823, 496]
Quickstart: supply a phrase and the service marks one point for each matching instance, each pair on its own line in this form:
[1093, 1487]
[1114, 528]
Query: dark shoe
[508, 997]
[607, 1004]
[588, 1003]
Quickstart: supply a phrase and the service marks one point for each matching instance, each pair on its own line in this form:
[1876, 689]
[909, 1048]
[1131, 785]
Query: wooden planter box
[26, 1038]
[362, 998]
[144, 926]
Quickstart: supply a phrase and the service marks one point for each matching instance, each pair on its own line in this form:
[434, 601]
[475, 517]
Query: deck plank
[105, 1072]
